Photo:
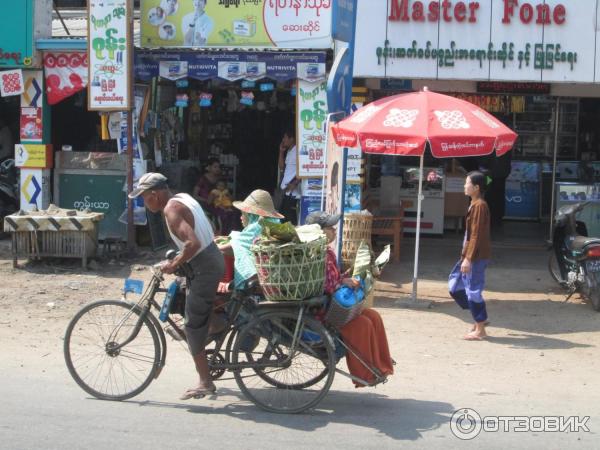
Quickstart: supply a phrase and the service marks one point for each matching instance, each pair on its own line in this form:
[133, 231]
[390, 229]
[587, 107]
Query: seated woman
[366, 333]
[203, 193]
[257, 205]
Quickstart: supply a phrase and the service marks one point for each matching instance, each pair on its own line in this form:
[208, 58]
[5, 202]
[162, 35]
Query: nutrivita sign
[499, 40]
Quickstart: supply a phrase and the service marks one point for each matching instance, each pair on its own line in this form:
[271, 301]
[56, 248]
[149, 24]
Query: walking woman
[467, 279]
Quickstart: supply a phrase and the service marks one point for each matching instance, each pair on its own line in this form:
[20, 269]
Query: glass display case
[535, 127]
[569, 193]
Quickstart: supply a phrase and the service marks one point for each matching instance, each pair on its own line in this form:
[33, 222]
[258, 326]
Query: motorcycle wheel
[554, 269]
[595, 291]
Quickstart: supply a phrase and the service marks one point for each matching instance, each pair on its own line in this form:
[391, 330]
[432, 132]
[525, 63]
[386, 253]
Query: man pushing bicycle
[192, 233]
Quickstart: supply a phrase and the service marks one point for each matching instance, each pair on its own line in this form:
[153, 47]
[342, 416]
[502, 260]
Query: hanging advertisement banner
[122, 139]
[108, 44]
[278, 66]
[311, 114]
[65, 73]
[235, 23]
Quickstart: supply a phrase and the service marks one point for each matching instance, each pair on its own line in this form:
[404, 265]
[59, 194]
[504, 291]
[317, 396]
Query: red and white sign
[66, 74]
[31, 124]
[11, 82]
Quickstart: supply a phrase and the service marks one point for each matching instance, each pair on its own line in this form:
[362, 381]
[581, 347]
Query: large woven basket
[357, 228]
[291, 271]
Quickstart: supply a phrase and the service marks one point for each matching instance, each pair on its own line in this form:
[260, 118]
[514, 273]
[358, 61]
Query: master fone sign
[501, 40]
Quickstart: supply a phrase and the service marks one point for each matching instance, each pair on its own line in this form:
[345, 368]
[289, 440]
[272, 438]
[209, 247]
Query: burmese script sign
[500, 40]
[108, 54]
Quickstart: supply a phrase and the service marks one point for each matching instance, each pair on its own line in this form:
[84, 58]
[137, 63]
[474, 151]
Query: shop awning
[231, 65]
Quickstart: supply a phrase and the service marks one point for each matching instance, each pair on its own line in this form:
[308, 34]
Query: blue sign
[339, 82]
[344, 19]
[522, 200]
[352, 198]
[16, 34]
[308, 205]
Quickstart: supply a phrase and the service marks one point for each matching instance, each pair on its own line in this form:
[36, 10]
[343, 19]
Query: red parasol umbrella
[403, 125]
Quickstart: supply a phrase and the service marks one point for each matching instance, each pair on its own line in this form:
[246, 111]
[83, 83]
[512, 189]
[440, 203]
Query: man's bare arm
[181, 223]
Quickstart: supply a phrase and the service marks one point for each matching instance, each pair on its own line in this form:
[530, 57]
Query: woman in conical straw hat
[258, 205]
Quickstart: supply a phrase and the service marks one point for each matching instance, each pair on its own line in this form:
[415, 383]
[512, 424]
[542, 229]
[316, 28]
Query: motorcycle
[575, 258]
[9, 200]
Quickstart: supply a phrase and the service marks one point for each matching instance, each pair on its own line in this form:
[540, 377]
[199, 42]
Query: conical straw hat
[259, 202]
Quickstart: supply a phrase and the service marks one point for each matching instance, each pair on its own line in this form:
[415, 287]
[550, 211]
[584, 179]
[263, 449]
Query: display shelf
[536, 128]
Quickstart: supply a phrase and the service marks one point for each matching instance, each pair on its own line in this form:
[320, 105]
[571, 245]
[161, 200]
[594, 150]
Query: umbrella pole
[418, 235]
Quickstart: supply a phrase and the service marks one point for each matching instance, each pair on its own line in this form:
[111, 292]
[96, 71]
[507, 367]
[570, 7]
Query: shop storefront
[249, 72]
[233, 106]
[534, 66]
[224, 81]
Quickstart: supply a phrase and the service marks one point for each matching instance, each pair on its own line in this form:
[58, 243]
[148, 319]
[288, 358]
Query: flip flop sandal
[197, 393]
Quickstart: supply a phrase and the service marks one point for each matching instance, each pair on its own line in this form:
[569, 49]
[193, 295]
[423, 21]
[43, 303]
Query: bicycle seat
[580, 242]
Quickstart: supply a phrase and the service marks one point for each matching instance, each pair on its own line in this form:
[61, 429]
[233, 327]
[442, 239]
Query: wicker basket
[338, 315]
[291, 271]
[357, 228]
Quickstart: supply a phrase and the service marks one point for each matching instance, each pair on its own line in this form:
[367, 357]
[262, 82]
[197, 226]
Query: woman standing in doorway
[467, 279]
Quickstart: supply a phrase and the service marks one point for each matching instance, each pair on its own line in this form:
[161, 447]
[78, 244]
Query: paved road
[44, 409]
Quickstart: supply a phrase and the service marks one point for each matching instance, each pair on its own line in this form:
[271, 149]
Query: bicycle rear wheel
[294, 378]
[94, 363]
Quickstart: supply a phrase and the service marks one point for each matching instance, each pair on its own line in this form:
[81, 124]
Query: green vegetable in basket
[284, 232]
[222, 240]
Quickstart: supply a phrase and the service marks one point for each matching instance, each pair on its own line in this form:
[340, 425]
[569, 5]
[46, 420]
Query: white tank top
[202, 226]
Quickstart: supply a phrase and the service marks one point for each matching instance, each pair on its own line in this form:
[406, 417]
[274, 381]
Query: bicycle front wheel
[93, 359]
[277, 374]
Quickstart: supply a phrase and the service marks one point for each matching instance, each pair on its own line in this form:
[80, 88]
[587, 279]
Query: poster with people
[334, 186]
[236, 23]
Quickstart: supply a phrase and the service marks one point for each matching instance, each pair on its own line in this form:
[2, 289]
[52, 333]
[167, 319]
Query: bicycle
[282, 358]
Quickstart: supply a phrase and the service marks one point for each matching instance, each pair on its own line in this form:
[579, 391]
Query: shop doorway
[10, 113]
[76, 127]
[239, 124]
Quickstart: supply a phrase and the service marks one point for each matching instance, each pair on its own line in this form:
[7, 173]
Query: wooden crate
[56, 244]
